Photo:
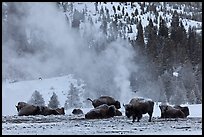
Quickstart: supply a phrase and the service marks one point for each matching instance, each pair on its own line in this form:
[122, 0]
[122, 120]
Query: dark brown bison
[105, 100]
[170, 112]
[25, 109]
[44, 110]
[20, 105]
[137, 107]
[185, 110]
[77, 111]
[102, 111]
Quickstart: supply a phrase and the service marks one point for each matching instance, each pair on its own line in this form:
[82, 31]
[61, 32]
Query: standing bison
[105, 100]
[102, 111]
[170, 112]
[137, 107]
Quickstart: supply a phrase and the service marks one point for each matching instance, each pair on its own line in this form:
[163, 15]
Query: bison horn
[124, 105]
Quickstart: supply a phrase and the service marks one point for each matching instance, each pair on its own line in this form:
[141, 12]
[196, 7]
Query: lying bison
[102, 111]
[137, 107]
[105, 100]
[44, 110]
[77, 111]
[170, 112]
[25, 109]
[20, 105]
[185, 110]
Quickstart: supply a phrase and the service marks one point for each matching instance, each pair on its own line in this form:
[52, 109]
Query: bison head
[77, 111]
[128, 110]
[185, 110]
[111, 111]
[117, 104]
[20, 105]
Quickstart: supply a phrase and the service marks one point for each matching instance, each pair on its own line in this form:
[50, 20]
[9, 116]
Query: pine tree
[181, 45]
[96, 6]
[104, 24]
[136, 12]
[114, 9]
[140, 35]
[175, 27]
[37, 99]
[101, 11]
[140, 38]
[53, 103]
[191, 45]
[73, 99]
[118, 8]
[123, 11]
[163, 29]
[76, 20]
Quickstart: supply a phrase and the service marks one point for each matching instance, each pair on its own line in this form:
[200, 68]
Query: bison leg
[133, 118]
[139, 117]
[150, 116]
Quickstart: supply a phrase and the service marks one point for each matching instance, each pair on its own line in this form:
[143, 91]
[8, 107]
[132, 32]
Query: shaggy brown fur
[137, 107]
[102, 111]
[77, 111]
[185, 110]
[25, 109]
[20, 105]
[170, 112]
[105, 100]
[44, 110]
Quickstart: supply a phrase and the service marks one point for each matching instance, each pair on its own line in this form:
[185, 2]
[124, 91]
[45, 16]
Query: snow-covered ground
[77, 124]
[70, 124]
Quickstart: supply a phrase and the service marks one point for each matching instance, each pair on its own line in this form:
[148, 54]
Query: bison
[102, 111]
[77, 111]
[105, 100]
[44, 110]
[185, 110]
[25, 109]
[137, 107]
[21, 105]
[170, 112]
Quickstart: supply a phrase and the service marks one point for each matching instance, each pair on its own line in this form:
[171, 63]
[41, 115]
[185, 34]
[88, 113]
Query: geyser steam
[56, 49]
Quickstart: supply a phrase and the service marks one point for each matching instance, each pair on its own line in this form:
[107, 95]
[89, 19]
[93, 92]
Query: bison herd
[106, 107]
[25, 109]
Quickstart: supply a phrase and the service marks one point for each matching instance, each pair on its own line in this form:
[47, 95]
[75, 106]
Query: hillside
[122, 49]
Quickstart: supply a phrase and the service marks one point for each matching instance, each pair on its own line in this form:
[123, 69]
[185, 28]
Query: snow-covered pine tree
[73, 100]
[53, 103]
[37, 99]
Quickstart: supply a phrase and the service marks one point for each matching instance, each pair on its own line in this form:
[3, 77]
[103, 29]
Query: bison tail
[90, 99]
